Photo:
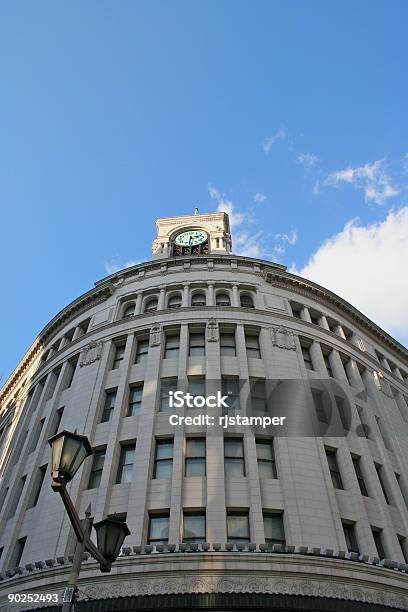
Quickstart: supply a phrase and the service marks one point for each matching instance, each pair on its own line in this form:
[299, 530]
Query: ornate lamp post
[69, 450]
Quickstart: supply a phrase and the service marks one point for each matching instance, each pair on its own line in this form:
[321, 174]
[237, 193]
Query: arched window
[151, 305]
[222, 299]
[174, 301]
[198, 299]
[129, 310]
[246, 300]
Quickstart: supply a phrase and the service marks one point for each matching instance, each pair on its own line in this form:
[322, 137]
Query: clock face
[191, 238]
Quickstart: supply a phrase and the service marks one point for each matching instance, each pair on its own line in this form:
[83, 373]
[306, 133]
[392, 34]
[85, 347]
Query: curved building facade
[306, 514]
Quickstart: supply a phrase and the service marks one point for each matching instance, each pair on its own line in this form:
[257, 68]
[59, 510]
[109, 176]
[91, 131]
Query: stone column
[185, 295]
[160, 304]
[305, 314]
[340, 331]
[138, 307]
[235, 296]
[317, 358]
[337, 366]
[323, 322]
[211, 294]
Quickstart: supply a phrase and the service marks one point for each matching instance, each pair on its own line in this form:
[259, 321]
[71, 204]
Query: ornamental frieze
[91, 353]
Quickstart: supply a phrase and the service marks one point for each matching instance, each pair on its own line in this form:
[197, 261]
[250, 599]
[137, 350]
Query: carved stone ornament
[283, 338]
[155, 335]
[91, 353]
[212, 330]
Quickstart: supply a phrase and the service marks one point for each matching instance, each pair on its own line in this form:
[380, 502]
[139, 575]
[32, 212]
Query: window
[222, 299]
[166, 385]
[307, 358]
[97, 467]
[273, 527]
[403, 544]
[234, 463]
[72, 369]
[334, 469]
[135, 400]
[35, 493]
[36, 435]
[246, 301]
[109, 406]
[174, 301]
[118, 357]
[194, 527]
[195, 457]
[230, 387]
[151, 305]
[163, 462]
[172, 346]
[319, 406]
[364, 427]
[237, 526]
[296, 310]
[377, 535]
[266, 458]
[359, 475]
[56, 422]
[142, 350]
[258, 396]
[196, 386]
[253, 349]
[383, 433]
[126, 459]
[398, 478]
[350, 537]
[379, 470]
[196, 344]
[326, 357]
[18, 552]
[314, 317]
[342, 413]
[17, 492]
[198, 299]
[227, 344]
[159, 528]
[129, 310]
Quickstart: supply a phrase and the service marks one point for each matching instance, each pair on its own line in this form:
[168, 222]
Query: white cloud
[372, 178]
[270, 140]
[308, 160]
[289, 238]
[259, 197]
[227, 206]
[366, 265]
[115, 264]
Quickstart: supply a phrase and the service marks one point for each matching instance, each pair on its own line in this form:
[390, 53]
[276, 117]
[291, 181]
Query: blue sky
[292, 115]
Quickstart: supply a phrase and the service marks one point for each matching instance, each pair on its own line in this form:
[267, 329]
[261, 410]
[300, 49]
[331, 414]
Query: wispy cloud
[270, 140]
[371, 178]
[377, 254]
[259, 198]
[115, 264]
[289, 238]
[225, 205]
[308, 160]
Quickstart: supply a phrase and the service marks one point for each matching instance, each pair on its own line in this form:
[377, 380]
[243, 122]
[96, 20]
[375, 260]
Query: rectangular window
[196, 344]
[195, 457]
[319, 406]
[135, 400]
[359, 475]
[253, 350]
[56, 421]
[159, 528]
[196, 386]
[194, 527]
[125, 468]
[234, 463]
[342, 412]
[398, 478]
[364, 427]
[296, 310]
[326, 357]
[403, 544]
[377, 535]
[18, 552]
[142, 350]
[166, 385]
[110, 398]
[350, 536]
[379, 470]
[35, 493]
[334, 469]
[163, 462]
[237, 526]
[258, 396]
[97, 467]
[17, 492]
[266, 458]
[73, 362]
[118, 356]
[307, 358]
[172, 346]
[230, 388]
[227, 344]
[273, 527]
[36, 435]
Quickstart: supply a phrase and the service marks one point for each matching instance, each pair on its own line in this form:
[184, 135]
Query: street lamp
[69, 450]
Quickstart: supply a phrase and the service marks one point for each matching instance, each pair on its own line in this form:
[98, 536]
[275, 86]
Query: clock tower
[192, 235]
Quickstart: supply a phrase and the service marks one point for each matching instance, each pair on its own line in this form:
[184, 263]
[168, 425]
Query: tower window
[246, 300]
[266, 458]
[135, 400]
[125, 468]
[222, 299]
[234, 463]
[273, 527]
[163, 463]
[151, 305]
[377, 535]
[142, 350]
[227, 344]
[109, 406]
[334, 469]
[350, 537]
[252, 345]
[198, 299]
[197, 344]
[172, 345]
[159, 528]
[237, 526]
[166, 385]
[97, 467]
[195, 457]
[119, 355]
[194, 527]
[129, 310]
[174, 301]
[359, 475]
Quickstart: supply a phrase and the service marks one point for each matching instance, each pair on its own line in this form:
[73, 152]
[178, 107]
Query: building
[220, 518]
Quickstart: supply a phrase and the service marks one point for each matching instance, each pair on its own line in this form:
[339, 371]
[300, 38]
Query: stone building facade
[219, 517]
